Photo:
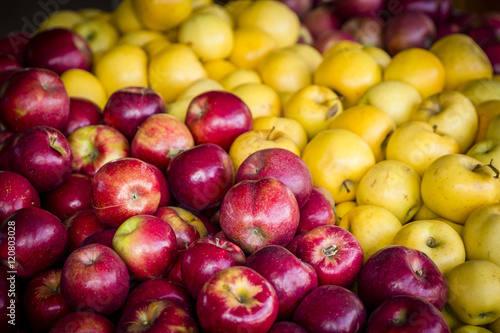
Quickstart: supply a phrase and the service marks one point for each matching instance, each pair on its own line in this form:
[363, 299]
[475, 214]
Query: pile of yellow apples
[408, 146]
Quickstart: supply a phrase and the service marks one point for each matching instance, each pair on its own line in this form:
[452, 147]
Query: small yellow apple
[311, 55]
[199, 87]
[261, 99]
[424, 213]
[486, 151]
[178, 109]
[380, 55]
[342, 208]
[125, 18]
[287, 125]
[239, 77]
[470, 329]
[155, 46]
[162, 15]
[493, 131]
[486, 112]
[140, 37]
[481, 90]
[62, 19]
[217, 9]
[217, 69]
[83, 84]
[251, 45]
[100, 35]
[451, 319]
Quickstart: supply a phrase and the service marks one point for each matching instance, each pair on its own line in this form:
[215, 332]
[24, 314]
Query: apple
[492, 51]
[329, 38]
[493, 131]
[82, 112]
[331, 308]
[14, 43]
[286, 327]
[205, 257]
[123, 188]
[486, 151]
[103, 236]
[127, 108]
[31, 240]
[335, 254]
[350, 8]
[83, 321]
[5, 146]
[257, 213]
[164, 190]
[17, 193]
[100, 34]
[321, 18]
[57, 49]
[94, 278]
[218, 117]
[406, 313]
[280, 164]
[80, 225]
[366, 30]
[237, 299]
[200, 177]
[300, 7]
[8, 61]
[399, 270]
[438, 11]
[33, 97]
[9, 301]
[291, 278]
[175, 274]
[447, 28]
[318, 210]
[43, 303]
[6, 73]
[291, 126]
[292, 246]
[95, 145]
[211, 226]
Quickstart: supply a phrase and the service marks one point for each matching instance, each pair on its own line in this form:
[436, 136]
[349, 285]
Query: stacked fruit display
[252, 166]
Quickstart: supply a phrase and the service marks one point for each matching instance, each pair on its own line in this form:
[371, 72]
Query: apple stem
[330, 251]
[228, 288]
[344, 183]
[269, 134]
[492, 167]
[434, 128]
[217, 242]
[419, 272]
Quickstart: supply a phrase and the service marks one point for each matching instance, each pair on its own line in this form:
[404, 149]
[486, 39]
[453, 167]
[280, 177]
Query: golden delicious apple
[486, 151]
[239, 77]
[343, 207]
[486, 112]
[471, 329]
[311, 55]
[101, 35]
[162, 15]
[481, 90]
[251, 45]
[125, 18]
[261, 99]
[424, 213]
[288, 125]
[493, 131]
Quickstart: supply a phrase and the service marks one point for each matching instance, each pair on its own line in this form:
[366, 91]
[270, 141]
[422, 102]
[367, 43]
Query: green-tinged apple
[100, 34]
[424, 213]
[486, 151]
[481, 90]
[285, 124]
[455, 185]
[187, 226]
[486, 112]
[493, 131]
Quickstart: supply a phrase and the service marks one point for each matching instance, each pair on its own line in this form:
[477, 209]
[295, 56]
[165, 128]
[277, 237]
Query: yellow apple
[140, 37]
[238, 77]
[311, 55]
[493, 131]
[217, 69]
[451, 319]
[314, 107]
[380, 55]
[454, 185]
[436, 239]
[418, 144]
[100, 35]
[62, 19]
[393, 185]
[155, 46]
[486, 112]
[162, 14]
[261, 99]
[217, 9]
[338, 159]
[199, 87]
[470, 329]
[125, 18]
[474, 291]
[83, 84]
[486, 151]
[342, 208]
[424, 213]
[373, 226]
[178, 109]
[289, 126]
[251, 45]
[481, 90]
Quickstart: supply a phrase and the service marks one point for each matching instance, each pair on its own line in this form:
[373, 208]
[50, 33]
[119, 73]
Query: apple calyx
[147, 316]
[400, 319]
[172, 152]
[419, 272]
[330, 250]
[431, 242]
[51, 285]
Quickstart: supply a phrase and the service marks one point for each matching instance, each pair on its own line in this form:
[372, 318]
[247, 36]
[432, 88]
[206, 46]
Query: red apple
[204, 258]
[321, 18]
[31, 241]
[237, 299]
[6, 73]
[17, 192]
[438, 11]
[482, 34]
[159, 139]
[175, 274]
[95, 278]
[286, 327]
[209, 224]
[147, 245]
[14, 43]
[365, 29]
[292, 246]
[164, 190]
[43, 302]
[331, 309]
[81, 225]
[83, 322]
[82, 112]
[200, 177]
[305, 36]
[350, 8]
[103, 236]
[218, 117]
[58, 49]
[280, 164]
[9, 301]
[257, 213]
[299, 7]
[5, 146]
[127, 108]
[72, 196]
[8, 61]
[399, 270]
[447, 28]
[95, 145]
[123, 188]
[33, 97]
[291, 278]
[335, 254]
[329, 38]
[493, 52]
[318, 210]
[406, 313]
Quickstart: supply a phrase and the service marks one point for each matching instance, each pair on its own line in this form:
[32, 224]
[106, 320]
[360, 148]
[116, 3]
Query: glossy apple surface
[103, 236]
[83, 322]
[286, 327]
[17, 193]
[81, 225]
[318, 210]
[82, 112]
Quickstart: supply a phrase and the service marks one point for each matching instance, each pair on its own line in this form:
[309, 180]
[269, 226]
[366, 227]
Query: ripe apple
[100, 34]
[331, 309]
[123, 188]
[39, 240]
[6, 73]
[8, 61]
[80, 225]
[5, 146]
[83, 321]
[366, 30]
[95, 145]
[14, 43]
[175, 274]
[350, 8]
[17, 193]
[43, 303]
[94, 278]
[33, 97]
[200, 177]
[329, 38]
[291, 278]
[164, 190]
[408, 314]
[399, 270]
[482, 90]
[186, 226]
[257, 213]
[437, 10]
[318, 210]
[127, 108]
[57, 49]
[321, 18]
[147, 245]
[286, 327]
[82, 112]
[335, 254]
[486, 151]
[103, 236]
[237, 299]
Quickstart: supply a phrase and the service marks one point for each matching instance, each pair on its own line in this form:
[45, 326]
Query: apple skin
[123, 188]
[286, 327]
[280, 164]
[218, 117]
[350, 8]
[408, 314]
[175, 274]
[257, 213]
[83, 322]
[335, 254]
[33, 97]
[81, 225]
[127, 108]
[103, 236]
[43, 155]
[205, 257]
[17, 193]
[492, 51]
[6, 73]
[238, 299]
[5, 147]
[43, 303]
[57, 49]
[72, 196]
[82, 112]
[8, 61]
[291, 278]
[321, 18]
[415, 274]
[331, 308]
[40, 241]
[292, 246]
[365, 29]
[200, 177]
[14, 43]
[164, 190]
[187, 227]
[438, 11]
[7, 310]
[318, 210]
[95, 278]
